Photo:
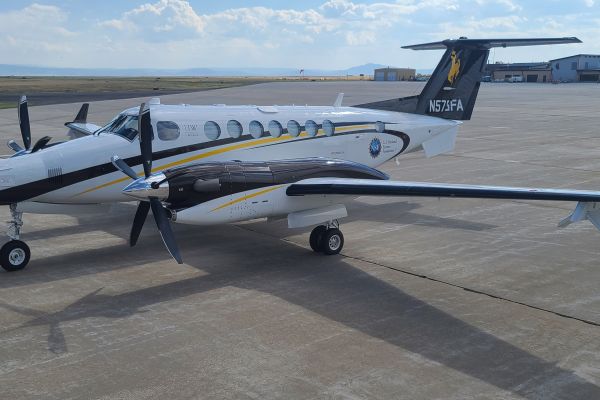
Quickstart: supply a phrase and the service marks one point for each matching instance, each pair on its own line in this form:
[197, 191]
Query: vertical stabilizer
[453, 87]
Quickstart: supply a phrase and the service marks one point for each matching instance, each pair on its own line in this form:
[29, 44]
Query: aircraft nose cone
[142, 189]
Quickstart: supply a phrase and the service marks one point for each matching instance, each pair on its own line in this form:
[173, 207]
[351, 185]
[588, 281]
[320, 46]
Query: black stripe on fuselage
[37, 188]
[401, 135]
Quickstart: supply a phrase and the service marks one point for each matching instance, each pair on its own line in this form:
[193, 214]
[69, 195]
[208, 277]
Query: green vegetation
[4, 105]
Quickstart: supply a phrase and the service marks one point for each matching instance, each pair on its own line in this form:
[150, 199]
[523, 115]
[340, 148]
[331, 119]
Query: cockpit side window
[124, 125]
[167, 130]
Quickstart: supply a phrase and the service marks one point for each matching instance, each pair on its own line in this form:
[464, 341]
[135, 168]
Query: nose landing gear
[15, 254]
[327, 239]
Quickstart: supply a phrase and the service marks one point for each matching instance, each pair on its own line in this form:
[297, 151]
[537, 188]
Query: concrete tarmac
[431, 299]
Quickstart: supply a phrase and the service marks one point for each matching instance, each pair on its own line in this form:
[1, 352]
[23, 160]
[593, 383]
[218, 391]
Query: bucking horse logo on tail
[454, 68]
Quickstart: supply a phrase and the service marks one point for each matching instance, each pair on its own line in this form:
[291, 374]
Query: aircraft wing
[371, 187]
[588, 206]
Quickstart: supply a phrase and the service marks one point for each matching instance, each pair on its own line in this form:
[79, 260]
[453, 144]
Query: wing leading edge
[363, 187]
[588, 202]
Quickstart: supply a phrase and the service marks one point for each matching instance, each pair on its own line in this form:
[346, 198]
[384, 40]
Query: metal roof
[576, 55]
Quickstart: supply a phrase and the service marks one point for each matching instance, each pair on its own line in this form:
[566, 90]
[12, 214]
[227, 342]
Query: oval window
[275, 128]
[167, 130]
[328, 127]
[293, 128]
[311, 127]
[256, 129]
[212, 130]
[234, 129]
[379, 126]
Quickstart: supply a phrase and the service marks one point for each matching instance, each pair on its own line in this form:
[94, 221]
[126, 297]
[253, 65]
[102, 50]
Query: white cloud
[36, 30]
[163, 20]
[334, 34]
[508, 4]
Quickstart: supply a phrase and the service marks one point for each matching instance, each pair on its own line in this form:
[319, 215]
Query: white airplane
[219, 164]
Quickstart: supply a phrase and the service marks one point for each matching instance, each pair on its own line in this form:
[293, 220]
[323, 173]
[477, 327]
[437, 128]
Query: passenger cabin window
[275, 128]
[212, 130]
[293, 128]
[328, 127]
[311, 127]
[234, 129]
[123, 125]
[256, 129]
[167, 130]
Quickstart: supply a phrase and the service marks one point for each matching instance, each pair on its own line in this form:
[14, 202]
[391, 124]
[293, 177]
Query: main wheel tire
[315, 238]
[14, 255]
[332, 242]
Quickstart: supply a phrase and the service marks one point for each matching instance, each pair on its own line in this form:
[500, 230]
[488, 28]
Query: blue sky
[324, 34]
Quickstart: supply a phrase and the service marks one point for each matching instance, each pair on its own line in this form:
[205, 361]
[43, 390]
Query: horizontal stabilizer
[440, 144]
[77, 129]
[489, 43]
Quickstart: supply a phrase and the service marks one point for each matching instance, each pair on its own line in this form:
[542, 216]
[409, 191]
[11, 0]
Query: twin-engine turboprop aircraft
[218, 164]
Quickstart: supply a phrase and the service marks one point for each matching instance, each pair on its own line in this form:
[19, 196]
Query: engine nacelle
[215, 193]
[201, 183]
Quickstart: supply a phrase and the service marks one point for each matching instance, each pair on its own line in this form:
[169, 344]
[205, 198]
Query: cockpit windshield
[123, 125]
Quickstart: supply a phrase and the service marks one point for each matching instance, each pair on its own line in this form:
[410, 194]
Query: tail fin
[452, 89]
[81, 116]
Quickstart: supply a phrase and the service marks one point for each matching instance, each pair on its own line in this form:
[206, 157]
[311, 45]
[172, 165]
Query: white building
[577, 68]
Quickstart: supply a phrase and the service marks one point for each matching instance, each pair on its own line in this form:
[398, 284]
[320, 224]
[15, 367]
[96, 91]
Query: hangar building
[577, 68]
[395, 74]
[526, 72]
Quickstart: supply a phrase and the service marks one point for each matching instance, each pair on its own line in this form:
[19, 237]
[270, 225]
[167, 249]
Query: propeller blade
[162, 222]
[24, 122]
[14, 146]
[40, 144]
[146, 135]
[138, 222]
[122, 166]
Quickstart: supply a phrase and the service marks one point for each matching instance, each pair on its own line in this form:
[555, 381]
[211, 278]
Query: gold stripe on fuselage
[222, 150]
[249, 196]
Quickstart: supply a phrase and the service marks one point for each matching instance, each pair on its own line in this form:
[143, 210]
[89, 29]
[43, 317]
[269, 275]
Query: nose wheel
[327, 239]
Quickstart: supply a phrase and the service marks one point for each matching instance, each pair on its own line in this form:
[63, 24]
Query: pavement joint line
[465, 288]
[447, 283]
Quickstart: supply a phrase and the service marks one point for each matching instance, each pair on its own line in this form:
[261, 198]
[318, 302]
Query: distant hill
[26, 70]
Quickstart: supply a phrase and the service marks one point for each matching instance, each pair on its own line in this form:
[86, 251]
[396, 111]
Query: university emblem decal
[454, 68]
[375, 147]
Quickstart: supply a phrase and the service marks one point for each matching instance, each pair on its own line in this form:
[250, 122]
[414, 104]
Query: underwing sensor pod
[217, 164]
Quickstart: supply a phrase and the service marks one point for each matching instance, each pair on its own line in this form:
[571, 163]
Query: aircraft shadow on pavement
[119, 221]
[361, 302]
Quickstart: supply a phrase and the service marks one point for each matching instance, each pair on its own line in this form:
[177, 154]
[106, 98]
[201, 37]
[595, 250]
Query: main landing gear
[15, 254]
[327, 239]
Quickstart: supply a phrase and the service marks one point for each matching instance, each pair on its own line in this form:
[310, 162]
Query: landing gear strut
[327, 239]
[15, 254]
